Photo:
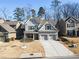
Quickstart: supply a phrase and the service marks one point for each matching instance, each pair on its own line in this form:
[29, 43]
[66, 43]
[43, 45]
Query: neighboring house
[69, 26]
[17, 26]
[2, 37]
[72, 26]
[13, 24]
[7, 31]
[35, 29]
[20, 31]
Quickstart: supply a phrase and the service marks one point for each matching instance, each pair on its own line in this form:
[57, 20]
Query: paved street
[54, 48]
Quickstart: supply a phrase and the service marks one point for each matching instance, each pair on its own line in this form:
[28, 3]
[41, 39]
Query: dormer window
[47, 27]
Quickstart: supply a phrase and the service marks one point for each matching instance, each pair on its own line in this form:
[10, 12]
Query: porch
[31, 35]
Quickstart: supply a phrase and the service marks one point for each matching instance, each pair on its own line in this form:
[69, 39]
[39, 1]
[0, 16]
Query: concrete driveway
[54, 48]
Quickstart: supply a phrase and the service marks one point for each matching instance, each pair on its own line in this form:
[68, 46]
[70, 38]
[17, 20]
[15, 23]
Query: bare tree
[47, 14]
[70, 10]
[4, 13]
[55, 7]
[27, 11]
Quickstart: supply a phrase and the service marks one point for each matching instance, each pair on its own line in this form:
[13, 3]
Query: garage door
[44, 37]
[52, 37]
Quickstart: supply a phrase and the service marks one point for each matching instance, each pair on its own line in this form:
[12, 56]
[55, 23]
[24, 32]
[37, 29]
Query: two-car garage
[48, 36]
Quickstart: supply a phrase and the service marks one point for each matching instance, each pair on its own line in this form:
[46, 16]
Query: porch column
[75, 32]
[33, 36]
[24, 35]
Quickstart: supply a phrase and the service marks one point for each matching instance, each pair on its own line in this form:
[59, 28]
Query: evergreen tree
[33, 13]
[41, 12]
[19, 14]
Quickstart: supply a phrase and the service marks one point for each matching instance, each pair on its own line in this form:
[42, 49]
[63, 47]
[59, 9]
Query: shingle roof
[35, 20]
[7, 27]
[70, 18]
[38, 20]
[11, 22]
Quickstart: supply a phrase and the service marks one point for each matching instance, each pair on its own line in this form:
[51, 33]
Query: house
[2, 37]
[20, 31]
[7, 31]
[18, 26]
[38, 29]
[69, 26]
[72, 26]
[13, 24]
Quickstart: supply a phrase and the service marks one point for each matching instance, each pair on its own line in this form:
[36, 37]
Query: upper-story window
[48, 27]
[71, 25]
[30, 27]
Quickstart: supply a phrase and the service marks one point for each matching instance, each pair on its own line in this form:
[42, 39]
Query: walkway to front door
[54, 48]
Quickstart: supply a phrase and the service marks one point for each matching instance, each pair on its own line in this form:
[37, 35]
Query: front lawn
[70, 41]
[13, 49]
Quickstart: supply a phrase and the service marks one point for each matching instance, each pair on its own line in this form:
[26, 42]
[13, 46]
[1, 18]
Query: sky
[12, 4]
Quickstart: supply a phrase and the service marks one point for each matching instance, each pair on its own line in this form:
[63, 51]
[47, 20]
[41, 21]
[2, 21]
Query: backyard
[13, 49]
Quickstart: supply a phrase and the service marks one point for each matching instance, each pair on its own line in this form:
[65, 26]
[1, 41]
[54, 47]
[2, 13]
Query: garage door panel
[52, 37]
[44, 37]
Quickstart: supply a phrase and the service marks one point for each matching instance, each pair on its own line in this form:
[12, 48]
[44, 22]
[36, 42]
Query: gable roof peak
[71, 18]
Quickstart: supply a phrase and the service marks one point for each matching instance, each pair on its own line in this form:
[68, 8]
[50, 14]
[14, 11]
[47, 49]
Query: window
[48, 27]
[29, 35]
[31, 28]
[71, 25]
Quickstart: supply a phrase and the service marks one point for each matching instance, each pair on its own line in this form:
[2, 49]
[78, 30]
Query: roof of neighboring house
[7, 27]
[70, 18]
[11, 22]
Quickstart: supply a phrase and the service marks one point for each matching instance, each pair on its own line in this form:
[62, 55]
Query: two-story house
[72, 26]
[36, 28]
